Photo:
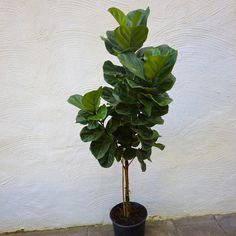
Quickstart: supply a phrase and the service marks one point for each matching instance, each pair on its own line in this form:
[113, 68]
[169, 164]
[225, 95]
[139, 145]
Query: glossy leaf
[101, 146]
[124, 94]
[130, 38]
[109, 158]
[91, 100]
[132, 63]
[88, 135]
[93, 124]
[107, 94]
[76, 100]
[159, 62]
[112, 73]
[119, 15]
[100, 115]
[80, 118]
[126, 109]
[138, 17]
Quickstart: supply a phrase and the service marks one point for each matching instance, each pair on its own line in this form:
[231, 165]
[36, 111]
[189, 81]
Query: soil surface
[137, 214]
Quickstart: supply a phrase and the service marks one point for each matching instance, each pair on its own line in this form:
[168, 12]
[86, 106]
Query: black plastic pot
[137, 229]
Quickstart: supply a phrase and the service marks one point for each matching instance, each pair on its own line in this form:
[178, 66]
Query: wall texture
[50, 49]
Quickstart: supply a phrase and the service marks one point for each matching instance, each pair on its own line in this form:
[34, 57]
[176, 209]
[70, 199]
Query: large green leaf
[138, 17]
[159, 62]
[163, 99]
[146, 133]
[160, 99]
[101, 146]
[143, 154]
[153, 65]
[147, 104]
[126, 109]
[123, 93]
[107, 94]
[100, 115]
[109, 46]
[82, 117]
[148, 121]
[113, 124]
[91, 100]
[93, 124]
[130, 38]
[112, 73]
[165, 84]
[109, 158]
[119, 15]
[132, 63]
[88, 135]
[76, 100]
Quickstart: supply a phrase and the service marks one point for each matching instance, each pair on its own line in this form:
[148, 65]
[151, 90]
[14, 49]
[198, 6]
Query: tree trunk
[126, 188]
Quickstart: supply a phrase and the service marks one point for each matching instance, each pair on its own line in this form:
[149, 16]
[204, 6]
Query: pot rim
[129, 226]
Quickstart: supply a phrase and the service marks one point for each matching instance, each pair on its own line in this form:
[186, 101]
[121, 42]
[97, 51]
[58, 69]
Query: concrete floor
[211, 225]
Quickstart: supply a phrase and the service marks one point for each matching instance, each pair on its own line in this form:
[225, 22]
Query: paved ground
[218, 225]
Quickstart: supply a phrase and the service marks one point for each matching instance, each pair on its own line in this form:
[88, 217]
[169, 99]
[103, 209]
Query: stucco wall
[50, 50]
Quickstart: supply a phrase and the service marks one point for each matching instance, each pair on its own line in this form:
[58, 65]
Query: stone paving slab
[198, 226]
[227, 223]
[219, 225]
[161, 228]
[104, 230]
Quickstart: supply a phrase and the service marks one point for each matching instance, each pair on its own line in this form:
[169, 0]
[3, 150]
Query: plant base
[134, 225]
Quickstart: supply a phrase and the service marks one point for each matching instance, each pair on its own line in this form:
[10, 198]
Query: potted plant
[122, 128]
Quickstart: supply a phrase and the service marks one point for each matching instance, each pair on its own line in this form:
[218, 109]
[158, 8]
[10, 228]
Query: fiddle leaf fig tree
[121, 128]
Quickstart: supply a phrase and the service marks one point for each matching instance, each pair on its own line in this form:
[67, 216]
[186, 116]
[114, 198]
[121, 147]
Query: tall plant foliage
[136, 98]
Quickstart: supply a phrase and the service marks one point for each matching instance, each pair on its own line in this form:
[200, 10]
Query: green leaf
[124, 94]
[138, 17]
[118, 15]
[113, 124]
[101, 146]
[126, 109]
[91, 100]
[93, 124]
[153, 65]
[81, 118]
[88, 135]
[101, 113]
[108, 159]
[146, 133]
[160, 99]
[107, 94]
[109, 46]
[146, 144]
[148, 121]
[143, 154]
[132, 63]
[129, 153]
[119, 153]
[147, 104]
[138, 83]
[76, 100]
[112, 73]
[130, 38]
[163, 99]
[165, 84]
[143, 165]
[159, 145]
[159, 62]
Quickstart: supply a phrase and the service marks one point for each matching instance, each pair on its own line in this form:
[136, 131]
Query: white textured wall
[50, 50]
